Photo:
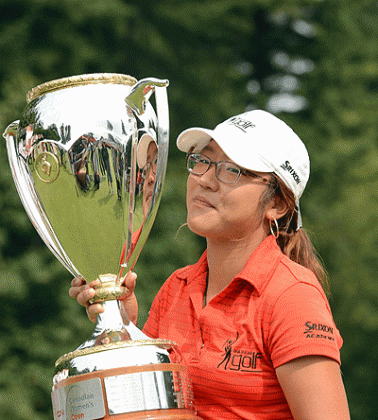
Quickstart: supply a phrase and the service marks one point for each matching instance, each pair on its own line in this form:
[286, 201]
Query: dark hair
[295, 243]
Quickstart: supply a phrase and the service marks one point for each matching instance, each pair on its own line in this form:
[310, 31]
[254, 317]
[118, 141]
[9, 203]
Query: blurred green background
[313, 63]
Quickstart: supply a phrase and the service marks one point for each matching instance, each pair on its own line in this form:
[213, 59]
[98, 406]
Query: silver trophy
[88, 158]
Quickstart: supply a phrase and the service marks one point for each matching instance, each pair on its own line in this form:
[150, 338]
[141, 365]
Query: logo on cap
[287, 167]
[240, 123]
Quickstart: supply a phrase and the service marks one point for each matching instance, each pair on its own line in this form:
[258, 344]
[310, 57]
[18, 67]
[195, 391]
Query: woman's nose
[209, 179]
[150, 176]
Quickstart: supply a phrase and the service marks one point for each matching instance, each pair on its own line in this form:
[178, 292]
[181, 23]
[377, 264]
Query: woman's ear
[277, 210]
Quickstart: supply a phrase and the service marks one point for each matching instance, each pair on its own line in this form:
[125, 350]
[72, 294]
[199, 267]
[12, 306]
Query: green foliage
[317, 58]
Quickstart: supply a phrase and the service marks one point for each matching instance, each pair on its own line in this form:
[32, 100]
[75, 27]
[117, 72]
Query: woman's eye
[232, 170]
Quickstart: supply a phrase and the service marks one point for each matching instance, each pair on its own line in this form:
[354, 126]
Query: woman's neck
[225, 261]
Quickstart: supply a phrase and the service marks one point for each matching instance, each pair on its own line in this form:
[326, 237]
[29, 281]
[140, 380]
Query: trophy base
[122, 379]
[154, 391]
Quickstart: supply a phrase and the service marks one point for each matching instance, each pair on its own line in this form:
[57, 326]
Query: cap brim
[194, 139]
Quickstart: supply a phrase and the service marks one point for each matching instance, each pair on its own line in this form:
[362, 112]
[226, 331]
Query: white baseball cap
[258, 141]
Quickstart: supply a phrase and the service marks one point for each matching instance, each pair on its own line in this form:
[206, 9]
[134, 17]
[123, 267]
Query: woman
[251, 318]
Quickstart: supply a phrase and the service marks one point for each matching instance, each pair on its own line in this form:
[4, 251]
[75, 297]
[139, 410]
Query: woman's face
[225, 212]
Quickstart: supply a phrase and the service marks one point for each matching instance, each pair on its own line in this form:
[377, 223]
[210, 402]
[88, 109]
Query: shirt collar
[197, 270]
[262, 264]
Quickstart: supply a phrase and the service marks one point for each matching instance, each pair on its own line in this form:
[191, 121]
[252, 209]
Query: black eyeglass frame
[242, 171]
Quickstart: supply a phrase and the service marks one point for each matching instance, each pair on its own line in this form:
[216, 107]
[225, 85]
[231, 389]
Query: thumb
[130, 281]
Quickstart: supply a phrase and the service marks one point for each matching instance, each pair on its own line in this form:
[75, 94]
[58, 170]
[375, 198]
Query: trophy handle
[163, 120]
[27, 192]
[136, 102]
[141, 92]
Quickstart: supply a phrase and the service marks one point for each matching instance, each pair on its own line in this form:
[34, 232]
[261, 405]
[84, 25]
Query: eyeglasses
[149, 166]
[227, 172]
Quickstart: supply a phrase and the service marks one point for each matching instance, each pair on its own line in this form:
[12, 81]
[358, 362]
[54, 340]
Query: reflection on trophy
[88, 158]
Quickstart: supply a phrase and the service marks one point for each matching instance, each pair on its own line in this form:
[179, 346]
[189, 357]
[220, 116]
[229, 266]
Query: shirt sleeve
[302, 325]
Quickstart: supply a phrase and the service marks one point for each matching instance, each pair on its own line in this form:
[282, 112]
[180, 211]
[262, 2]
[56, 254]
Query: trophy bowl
[88, 157]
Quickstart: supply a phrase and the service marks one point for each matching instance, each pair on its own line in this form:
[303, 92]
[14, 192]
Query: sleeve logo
[317, 330]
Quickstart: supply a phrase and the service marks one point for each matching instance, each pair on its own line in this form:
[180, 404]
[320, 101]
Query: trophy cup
[79, 161]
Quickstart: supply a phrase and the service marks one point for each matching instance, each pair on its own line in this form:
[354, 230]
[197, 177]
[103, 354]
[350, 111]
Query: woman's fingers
[76, 286]
[83, 292]
[93, 310]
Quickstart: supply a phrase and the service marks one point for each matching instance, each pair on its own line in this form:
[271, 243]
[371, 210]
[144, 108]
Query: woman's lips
[202, 202]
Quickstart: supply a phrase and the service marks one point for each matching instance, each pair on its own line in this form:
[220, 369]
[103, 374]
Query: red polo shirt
[272, 312]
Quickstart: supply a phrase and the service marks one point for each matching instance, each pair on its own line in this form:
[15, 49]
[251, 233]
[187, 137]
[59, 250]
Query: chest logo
[235, 359]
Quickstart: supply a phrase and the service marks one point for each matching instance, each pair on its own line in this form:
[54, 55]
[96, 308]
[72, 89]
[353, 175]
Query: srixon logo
[317, 330]
[287, 166]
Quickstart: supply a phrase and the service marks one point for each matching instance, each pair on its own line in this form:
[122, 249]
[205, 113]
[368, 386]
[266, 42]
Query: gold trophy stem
[109, 288]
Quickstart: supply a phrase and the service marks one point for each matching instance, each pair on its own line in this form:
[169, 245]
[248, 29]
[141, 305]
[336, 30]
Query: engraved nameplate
[139, 391]
[81, 400]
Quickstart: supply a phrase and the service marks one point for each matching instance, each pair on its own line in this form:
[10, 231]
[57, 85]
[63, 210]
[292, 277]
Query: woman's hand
[83, 292]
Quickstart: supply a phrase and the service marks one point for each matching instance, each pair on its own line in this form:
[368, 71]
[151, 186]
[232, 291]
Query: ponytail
[298, 247]
[295, 243]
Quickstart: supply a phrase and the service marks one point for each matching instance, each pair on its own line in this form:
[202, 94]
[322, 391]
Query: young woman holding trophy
[251, 318]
